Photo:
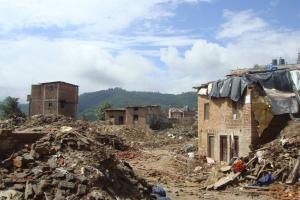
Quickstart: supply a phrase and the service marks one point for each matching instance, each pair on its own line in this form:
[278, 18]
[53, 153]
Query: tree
[9, 108]
[100, 110]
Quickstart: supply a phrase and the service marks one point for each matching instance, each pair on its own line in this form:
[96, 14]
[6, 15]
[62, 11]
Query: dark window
[50, 87]
[206, 111]
[234, 147]
[135, 117]
[211, 146]
[49, 104]
[223, 148]
[235, 110]
[135, 108]
[62, 105]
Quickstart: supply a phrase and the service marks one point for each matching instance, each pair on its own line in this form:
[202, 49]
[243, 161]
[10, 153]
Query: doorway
[211, 146]
[121, 120]
[223, 148]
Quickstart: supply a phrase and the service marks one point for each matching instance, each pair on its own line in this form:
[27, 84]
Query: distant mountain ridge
[120, 98]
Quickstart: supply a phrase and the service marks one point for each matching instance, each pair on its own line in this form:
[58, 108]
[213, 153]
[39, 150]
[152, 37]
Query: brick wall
[222, 123]
[53, 98]
[142, 112]
[114, 115]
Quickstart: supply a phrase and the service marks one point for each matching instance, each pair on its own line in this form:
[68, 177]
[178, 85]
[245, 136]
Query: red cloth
[238, 165]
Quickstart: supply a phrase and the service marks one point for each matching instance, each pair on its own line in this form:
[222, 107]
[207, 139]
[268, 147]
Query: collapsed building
[58, 98]
[134, 115]
[246, 109]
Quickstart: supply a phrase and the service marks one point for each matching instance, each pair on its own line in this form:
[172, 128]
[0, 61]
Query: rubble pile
[277, 162]
[180, 132]
[53, 120]
[11, 123]
[69, 163]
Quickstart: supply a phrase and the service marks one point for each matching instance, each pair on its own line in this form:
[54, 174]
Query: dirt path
[158, 166]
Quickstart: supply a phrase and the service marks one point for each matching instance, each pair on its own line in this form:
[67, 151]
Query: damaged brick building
[182, 115]
[53, 98]
[133, 115]
[248, 108]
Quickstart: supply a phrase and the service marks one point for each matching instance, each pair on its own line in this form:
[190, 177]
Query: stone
[37, 171]
[198, 169]
[60, 194]
[225, 168]
[18, 161]
[70, 177]
[10, 194]
[28, 158]
[7, 182]
[52, 162]
[20, 175]
[81, 189]
[43, 185]
[43, 149]
[48, 196]
[66, 185]
[82, 179]
[19, 187]
[28, 191]
[2, 186]
[96, 194]
[188, 148]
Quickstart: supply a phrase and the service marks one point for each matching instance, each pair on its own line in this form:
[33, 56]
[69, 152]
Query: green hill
[120, 98]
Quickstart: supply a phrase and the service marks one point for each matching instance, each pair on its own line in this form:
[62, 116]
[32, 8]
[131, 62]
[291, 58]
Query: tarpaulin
[282, 81]
[295, 75]
[282, 102]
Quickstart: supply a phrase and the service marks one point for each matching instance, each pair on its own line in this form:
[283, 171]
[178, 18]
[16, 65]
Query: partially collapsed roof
[281, 87]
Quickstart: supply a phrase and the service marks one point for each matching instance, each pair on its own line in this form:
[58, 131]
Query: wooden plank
[294, 174]
[224, 181]
[256, 187]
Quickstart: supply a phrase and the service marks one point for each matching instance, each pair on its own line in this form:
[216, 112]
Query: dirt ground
[163, 164]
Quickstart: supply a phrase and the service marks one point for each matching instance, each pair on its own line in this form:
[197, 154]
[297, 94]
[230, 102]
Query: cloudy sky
[146, 45]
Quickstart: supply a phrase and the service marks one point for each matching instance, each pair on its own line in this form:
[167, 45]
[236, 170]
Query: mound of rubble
[275, 163]
[11, 123]
[69, 162]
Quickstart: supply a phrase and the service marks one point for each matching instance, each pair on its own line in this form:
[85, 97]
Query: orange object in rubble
[238, 165]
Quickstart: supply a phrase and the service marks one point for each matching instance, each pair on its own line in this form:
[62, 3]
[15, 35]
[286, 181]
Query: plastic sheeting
[281, 80]
[295, 75]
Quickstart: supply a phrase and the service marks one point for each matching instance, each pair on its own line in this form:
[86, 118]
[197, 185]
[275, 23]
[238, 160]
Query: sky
[167, 46]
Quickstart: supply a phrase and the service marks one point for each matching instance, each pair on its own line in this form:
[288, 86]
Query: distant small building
[58, 98]
[116, 116]
[133, 115]
[182, 115]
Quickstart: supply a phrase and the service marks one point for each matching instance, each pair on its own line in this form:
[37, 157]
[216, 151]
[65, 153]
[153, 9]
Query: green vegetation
[9, 108]
[100, 110]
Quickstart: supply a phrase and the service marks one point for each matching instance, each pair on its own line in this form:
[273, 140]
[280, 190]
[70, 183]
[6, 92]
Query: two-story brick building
[246, 109]
[53, 98]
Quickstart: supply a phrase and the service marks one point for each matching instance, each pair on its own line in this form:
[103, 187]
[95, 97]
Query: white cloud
[240, 23]
[104, 15]
[206, 61]
[83, 16]
[33, 60]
